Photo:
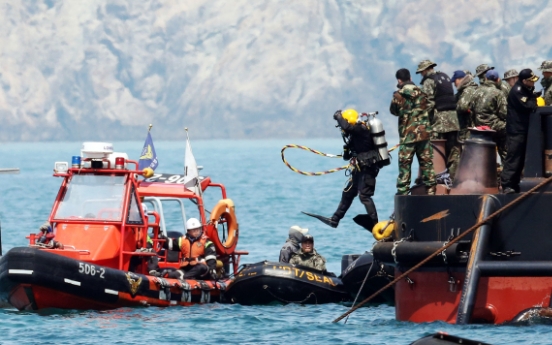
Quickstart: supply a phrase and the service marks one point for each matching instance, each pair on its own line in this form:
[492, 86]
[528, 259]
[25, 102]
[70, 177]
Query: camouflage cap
[481, 69]
[511, 73]
[425, 64]
[546, 66]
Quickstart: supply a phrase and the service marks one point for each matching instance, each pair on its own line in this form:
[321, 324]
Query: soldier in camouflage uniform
[546, 82]
[484, 68]
[466, 88]
[307, 256]
[489, 108]
[442, 111]
[481, 70]
[510, 77]
[410, 105]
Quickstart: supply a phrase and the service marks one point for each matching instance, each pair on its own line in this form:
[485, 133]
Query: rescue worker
[410, 105]
[441, 108]
[489, 109]
[46, 235]
[511, 77]
[198, 254]
[293, 243]
[466, 88]
[522, 101]
[307, 255]
[360, 147]
[546, 81]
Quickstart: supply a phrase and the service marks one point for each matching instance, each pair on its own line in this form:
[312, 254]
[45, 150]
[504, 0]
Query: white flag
[191, 174]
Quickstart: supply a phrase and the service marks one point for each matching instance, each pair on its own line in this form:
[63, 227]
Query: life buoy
[383, 229]
[224, 210]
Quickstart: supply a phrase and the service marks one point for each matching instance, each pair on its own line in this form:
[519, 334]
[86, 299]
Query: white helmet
[193, 223]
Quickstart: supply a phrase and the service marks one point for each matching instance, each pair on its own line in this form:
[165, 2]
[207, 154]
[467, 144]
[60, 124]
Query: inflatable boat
[276, 282]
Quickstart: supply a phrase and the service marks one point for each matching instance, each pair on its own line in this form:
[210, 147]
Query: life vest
[444, 93]
[192, 251]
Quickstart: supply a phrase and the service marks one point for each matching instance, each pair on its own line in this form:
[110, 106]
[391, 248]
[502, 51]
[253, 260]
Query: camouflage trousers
[453, 150]
[424, 152]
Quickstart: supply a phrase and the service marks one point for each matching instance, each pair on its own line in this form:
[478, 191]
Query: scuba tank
[378, 136]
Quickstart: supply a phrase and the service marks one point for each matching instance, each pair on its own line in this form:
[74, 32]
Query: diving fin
[325, 220]
[365, 221]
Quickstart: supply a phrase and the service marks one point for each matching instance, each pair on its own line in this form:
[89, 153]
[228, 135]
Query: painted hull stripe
[74, 282]
[13, 271]
[112, 292]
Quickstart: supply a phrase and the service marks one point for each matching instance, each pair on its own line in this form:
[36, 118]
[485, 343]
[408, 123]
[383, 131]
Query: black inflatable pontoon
[276, 282]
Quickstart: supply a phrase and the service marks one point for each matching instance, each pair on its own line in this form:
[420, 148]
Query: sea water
[269, 198]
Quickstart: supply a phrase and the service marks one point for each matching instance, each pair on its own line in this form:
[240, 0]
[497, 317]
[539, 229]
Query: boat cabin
[98, 215]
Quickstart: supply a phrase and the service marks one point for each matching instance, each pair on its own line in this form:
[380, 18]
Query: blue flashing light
[76, 162]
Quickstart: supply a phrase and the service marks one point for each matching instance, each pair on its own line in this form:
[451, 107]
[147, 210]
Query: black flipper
[365, 221]
[325, 220]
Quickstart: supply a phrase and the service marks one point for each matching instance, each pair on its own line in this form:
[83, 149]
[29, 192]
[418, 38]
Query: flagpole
[198, 184]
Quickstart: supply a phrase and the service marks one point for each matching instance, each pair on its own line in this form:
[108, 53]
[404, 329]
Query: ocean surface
[268, 198]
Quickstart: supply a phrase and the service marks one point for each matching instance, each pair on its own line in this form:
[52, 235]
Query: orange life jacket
[191, 252]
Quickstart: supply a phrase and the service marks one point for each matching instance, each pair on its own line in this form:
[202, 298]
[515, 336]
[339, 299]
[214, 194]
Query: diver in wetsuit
[359, 147]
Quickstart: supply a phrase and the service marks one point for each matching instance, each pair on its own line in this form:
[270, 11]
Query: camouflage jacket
[410, 105]
[547, 90]
[442, 121]
[505, 88]
[464, 96]
[489, 106]
[312, 260]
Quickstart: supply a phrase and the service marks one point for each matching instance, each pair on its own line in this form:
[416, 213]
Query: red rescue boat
[96, 256]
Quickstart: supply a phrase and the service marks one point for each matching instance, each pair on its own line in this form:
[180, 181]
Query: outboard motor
[477, 172]
[378, 135]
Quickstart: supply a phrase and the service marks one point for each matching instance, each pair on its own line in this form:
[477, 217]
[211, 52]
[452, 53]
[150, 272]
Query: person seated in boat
[307, 255]
[199, 257]
[293, 243]
[46, 235]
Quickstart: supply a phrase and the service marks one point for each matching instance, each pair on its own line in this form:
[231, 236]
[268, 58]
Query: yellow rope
[312, 173]
[351, 165]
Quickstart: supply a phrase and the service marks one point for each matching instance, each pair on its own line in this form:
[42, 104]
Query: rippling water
[269, 198]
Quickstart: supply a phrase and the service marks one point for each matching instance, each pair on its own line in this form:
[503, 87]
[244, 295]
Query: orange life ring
[224, 210]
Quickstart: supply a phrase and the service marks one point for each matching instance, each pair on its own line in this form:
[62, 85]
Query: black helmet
[308, 238]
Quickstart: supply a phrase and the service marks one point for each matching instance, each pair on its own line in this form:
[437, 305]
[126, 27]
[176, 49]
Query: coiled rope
[319, 173]
[440, 250]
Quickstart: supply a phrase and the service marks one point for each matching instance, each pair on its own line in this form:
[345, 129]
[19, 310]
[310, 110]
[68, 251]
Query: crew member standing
[510, 77]
[410, 105]
[522, 101]
[441, 110]
[546, 81]
[489, 109]
[360, 146]
[466, 88]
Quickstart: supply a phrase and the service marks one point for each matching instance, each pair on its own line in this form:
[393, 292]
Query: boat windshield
[93, 197]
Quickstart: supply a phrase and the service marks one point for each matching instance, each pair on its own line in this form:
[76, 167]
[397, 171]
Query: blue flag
[148, 157]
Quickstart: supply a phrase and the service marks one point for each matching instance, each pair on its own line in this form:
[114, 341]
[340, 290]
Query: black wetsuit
[363, 181]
